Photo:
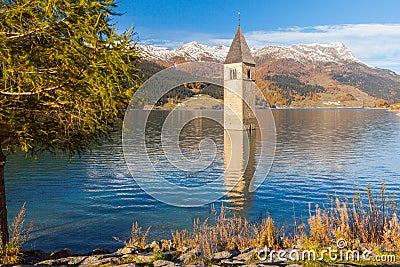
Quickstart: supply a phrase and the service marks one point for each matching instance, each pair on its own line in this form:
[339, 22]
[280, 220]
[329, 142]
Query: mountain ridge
[331, 52]
[290, 73]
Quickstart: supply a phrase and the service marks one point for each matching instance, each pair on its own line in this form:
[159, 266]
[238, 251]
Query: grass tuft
[365, 219]
[138, 237]
[11, 253]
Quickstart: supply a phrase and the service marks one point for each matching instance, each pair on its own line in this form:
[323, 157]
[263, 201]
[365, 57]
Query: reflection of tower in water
[239, 122]
[240, 165]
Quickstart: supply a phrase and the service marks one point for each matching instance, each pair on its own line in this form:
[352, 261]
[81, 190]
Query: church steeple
[239, 51]
[239, 86]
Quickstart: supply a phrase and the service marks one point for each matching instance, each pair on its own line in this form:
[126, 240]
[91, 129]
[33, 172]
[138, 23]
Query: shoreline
[158, 254]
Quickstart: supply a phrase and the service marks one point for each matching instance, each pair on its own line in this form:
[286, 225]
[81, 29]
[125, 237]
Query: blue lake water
[84, 203]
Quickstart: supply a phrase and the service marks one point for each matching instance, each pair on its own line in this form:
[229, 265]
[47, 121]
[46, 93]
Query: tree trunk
[3, 204]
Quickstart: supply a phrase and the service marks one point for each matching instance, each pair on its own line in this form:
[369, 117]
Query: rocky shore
[152, 255]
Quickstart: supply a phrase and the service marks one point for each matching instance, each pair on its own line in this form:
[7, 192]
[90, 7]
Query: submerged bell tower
[239, 86]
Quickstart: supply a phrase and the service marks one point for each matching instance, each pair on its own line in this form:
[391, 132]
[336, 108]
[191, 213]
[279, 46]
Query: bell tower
[239, 86]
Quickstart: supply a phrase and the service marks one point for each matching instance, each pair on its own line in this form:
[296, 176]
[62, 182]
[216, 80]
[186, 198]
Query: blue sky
[370, 29]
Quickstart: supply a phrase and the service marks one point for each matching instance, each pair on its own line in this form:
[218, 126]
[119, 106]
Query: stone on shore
[99, 251]
[155, 246]
[163, 263]
[151, 256]
[129, 250]
[145, 258]
[73, 260]
[125, 265]
[35, 256]
[189, 256]
[221, 255]
[169, 255]
[64, 253]
[247, 256]
[100, 260]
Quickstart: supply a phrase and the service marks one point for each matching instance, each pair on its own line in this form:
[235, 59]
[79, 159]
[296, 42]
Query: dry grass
[367, 219]
[10, 253]
[138, 237]
[235, 233]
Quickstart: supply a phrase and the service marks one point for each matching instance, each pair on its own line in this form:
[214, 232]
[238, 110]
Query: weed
[138, 238]
[11, 253]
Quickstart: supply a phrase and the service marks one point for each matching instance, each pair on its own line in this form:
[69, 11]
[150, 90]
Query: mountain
[299, 75]
[193, 51]
[188, 52]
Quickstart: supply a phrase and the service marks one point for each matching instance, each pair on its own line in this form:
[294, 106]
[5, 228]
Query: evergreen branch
[11, 35]
[45, 89]
[34, 93]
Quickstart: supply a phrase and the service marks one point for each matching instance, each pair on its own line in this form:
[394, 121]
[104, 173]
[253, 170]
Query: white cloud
[375, 44]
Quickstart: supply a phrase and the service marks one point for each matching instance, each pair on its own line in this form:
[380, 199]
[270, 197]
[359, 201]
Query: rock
[169, 255]
[91, 261]
[247, 256]
[163, 263]
[144, 258]
[34, 256]
[128, 250]
[46, 262]
[155, 246]
[222, 255]
[31, 260]
[100, 260]
[245, 250]
[36, 253]
[232, 262]
[77, 260]
[189, 256]
[64, 253]
[227, 261]
[99, 251]
[74, 260]
[125, 265]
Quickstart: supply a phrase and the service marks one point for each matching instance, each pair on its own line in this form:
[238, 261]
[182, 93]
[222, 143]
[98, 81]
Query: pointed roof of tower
[239, 50]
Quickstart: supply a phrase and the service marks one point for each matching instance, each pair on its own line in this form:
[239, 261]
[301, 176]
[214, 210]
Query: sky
[370, 29]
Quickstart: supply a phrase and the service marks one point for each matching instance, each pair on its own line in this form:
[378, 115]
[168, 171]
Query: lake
[84, 203]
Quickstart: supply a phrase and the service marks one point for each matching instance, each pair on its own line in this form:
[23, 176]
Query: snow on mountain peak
[193, 51]
[333, 52]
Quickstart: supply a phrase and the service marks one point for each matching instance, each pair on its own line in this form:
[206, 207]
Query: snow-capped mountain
[188, 52]
[333, 53]
[324, 53]
[331, 66]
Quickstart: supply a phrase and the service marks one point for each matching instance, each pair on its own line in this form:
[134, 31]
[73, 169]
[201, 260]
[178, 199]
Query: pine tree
[64, 72]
